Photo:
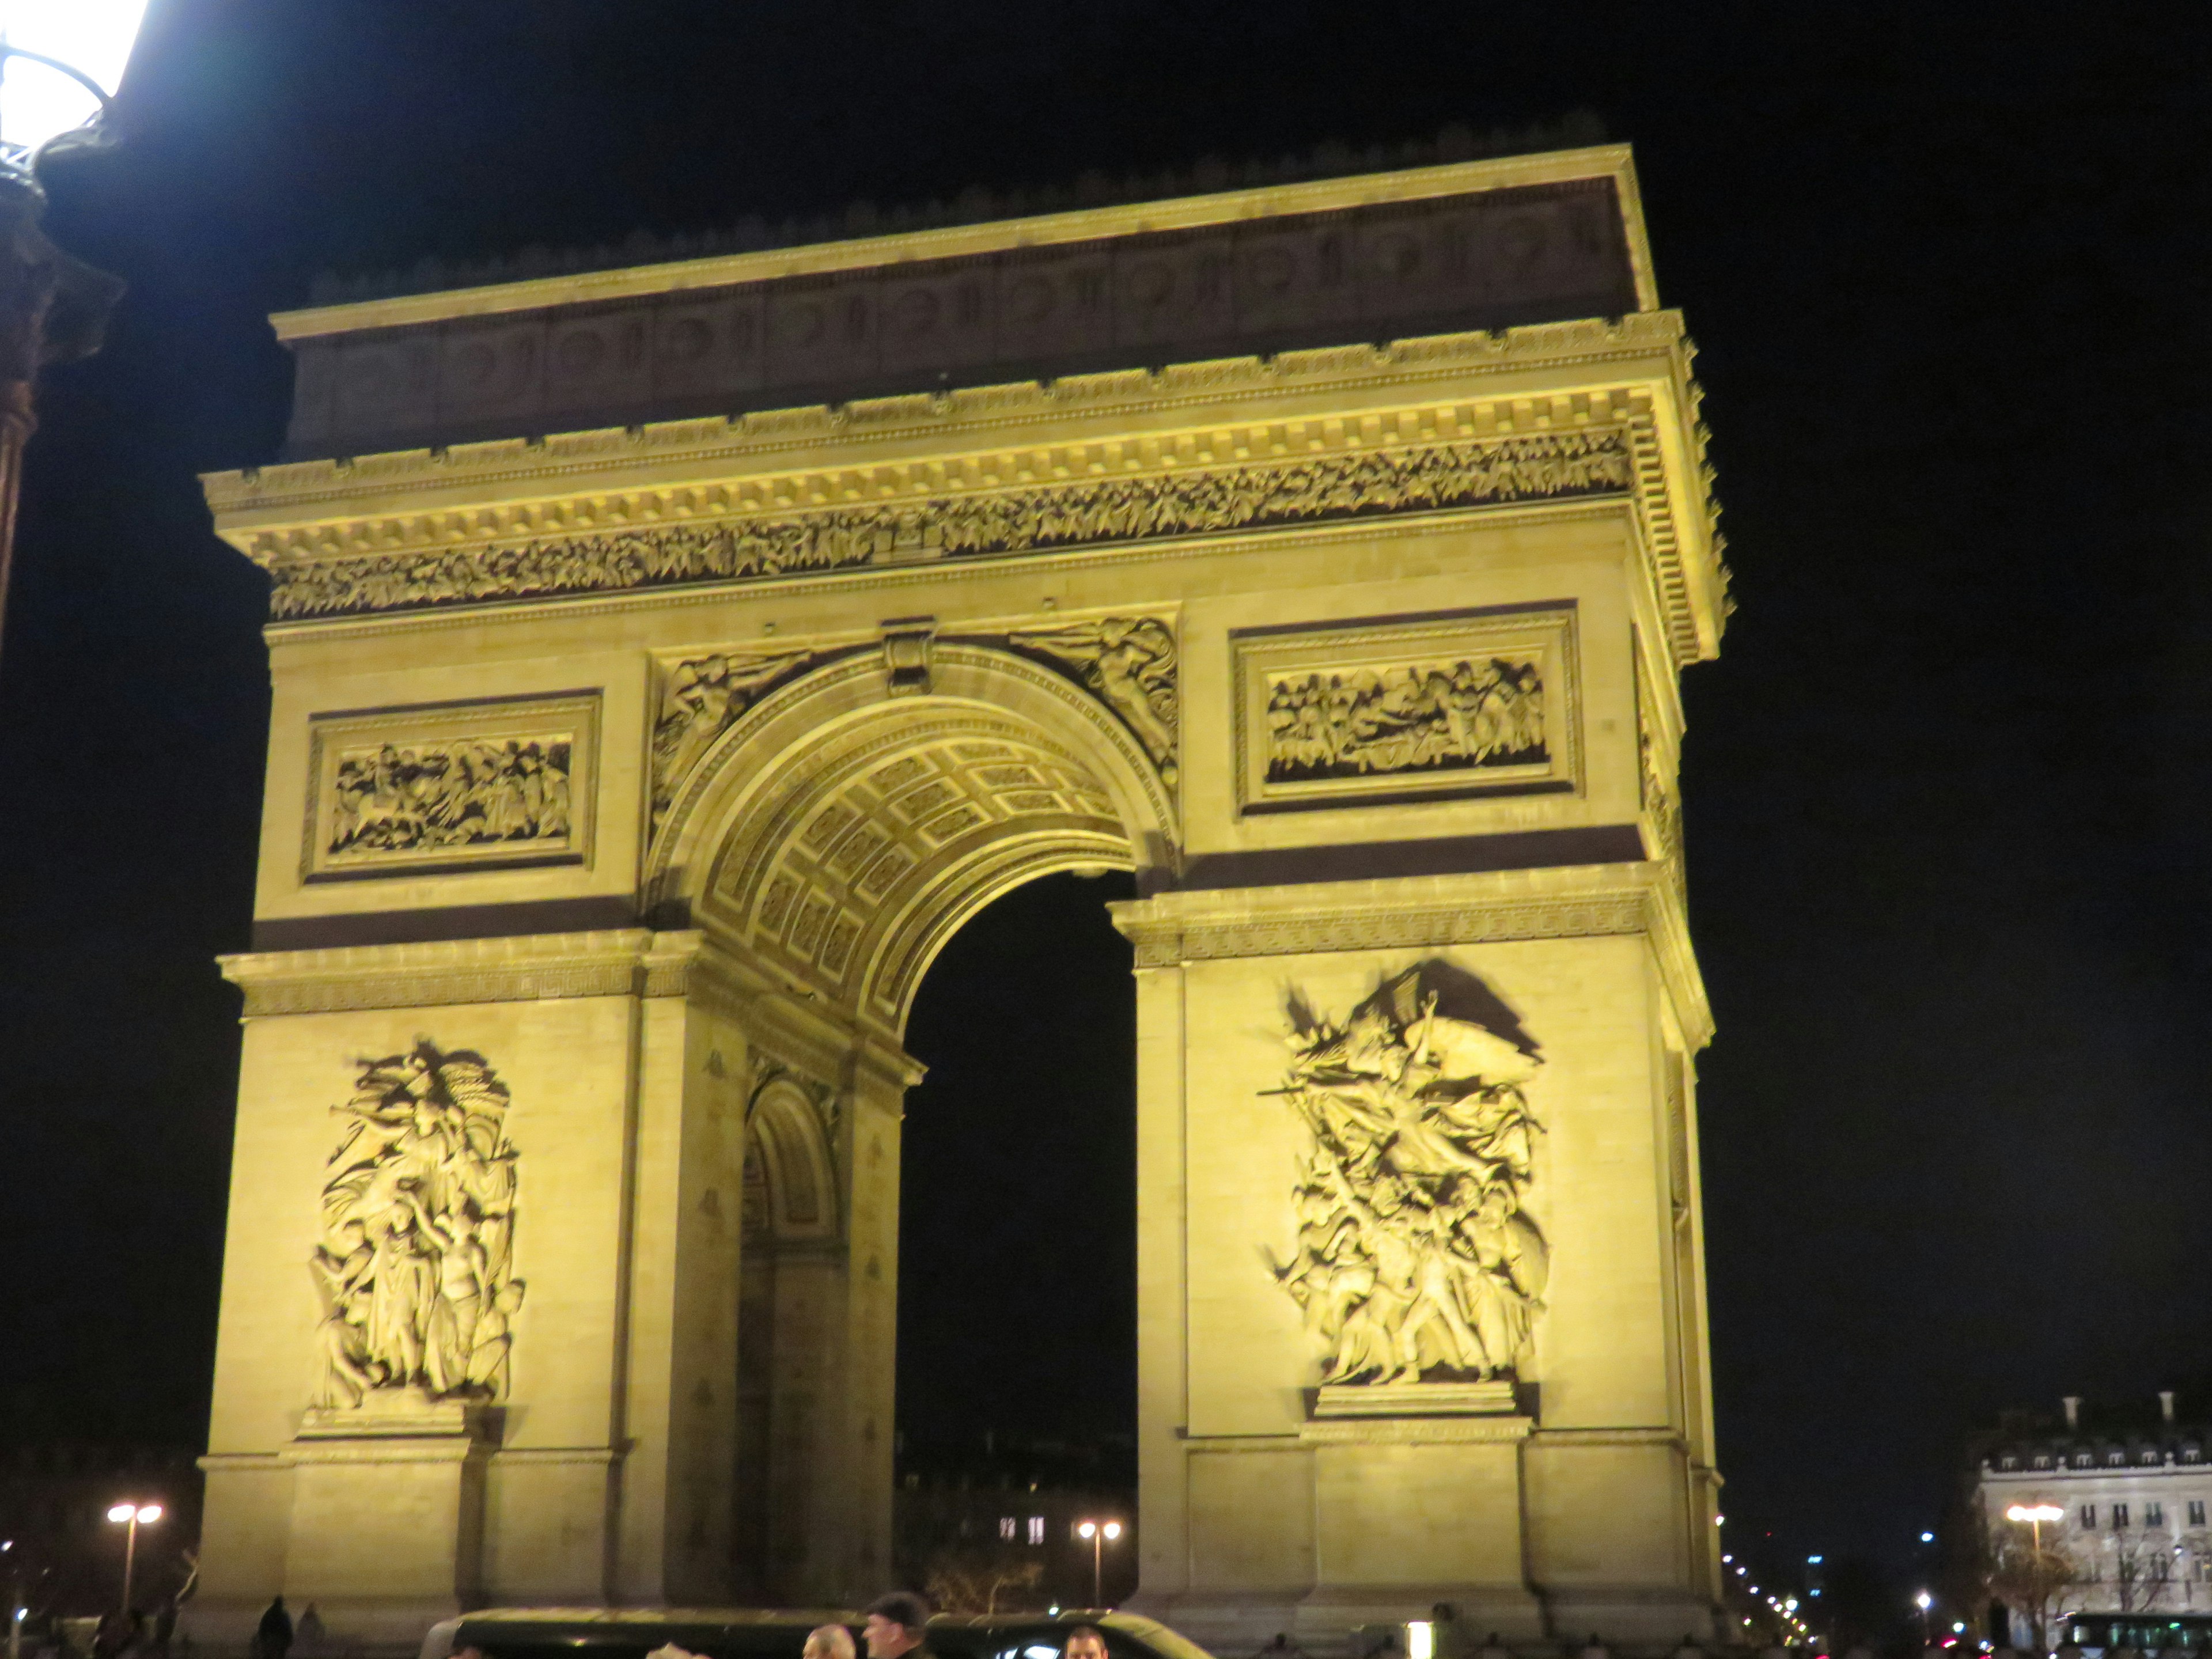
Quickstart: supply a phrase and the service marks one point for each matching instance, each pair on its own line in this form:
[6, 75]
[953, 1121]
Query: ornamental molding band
[1417, 1262]
[1477, 703]
[415, 1270]
[446, 787]
[1539, 466]
[521, 967]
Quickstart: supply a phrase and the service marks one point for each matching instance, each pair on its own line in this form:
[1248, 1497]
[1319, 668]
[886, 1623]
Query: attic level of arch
[1170, 458]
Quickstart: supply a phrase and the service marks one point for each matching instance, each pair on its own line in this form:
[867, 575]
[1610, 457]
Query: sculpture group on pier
[1416, 1256]
[414, 1268]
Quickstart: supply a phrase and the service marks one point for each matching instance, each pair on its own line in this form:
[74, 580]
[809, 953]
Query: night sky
[1945, 786]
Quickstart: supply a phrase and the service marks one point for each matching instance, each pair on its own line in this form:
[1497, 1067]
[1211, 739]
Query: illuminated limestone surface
[1327, 555]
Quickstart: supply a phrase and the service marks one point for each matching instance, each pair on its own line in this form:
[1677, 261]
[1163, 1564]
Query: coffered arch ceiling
[851, 854]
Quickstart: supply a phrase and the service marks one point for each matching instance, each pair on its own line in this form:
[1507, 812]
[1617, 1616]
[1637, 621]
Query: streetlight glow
[133, 1515]
[1923, 1600]
[122, 1512]
[93, 37]
[1099, 1533]
[2035, 1512]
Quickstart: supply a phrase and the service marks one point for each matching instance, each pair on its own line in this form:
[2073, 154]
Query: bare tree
[2038, 1579]
[981, 1580]
[2142, 1572]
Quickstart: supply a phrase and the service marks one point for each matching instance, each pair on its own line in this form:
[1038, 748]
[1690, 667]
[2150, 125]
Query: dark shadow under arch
[1018, 1192]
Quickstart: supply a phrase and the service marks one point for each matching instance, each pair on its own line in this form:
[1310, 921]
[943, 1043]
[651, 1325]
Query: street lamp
[1100, 1533]
[1923, 1602]
[133, 1515]
[56, 59]
[2035, 1515]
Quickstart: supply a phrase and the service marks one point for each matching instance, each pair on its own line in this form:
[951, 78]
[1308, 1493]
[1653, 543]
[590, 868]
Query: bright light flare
[1420, 1640]
[93, 37]
[150, 1513]
[121, 1512]
[2030, 1512]
[1112, 1530]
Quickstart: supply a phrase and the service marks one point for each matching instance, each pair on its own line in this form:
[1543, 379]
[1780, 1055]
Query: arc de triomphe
[667, 660]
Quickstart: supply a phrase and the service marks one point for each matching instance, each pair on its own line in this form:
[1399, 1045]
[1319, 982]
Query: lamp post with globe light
[1100, 1533]
[134, 1515]
[57, 59]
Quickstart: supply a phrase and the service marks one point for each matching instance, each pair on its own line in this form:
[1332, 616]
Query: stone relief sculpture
[703, 699]
[1416, 1256]
[1536, 465]
[1440, 715]
[415, 1269]
[419, 797]
[1130, 662]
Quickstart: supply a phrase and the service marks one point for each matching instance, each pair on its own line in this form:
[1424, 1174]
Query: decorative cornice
[526, 968]
[1089, 512]
[1581, 901]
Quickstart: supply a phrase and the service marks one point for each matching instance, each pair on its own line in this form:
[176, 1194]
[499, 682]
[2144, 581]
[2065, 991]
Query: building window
[1036, 1530]
[2043, 1461]
[2119, 1517]
[2116, 1458]
[2081, 1460]
[2011, 1463]
[1007, 1527]
[2088, 1518]
[2154, 1515]
[2149, 1457]
[2196, 1511]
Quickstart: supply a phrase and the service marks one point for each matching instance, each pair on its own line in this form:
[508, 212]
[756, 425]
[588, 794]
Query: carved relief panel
[1385, 710]
[450, 786]
[1417, 1259]
[414, 1268]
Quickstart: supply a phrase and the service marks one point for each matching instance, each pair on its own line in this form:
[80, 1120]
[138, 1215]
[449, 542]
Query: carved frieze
[1381, 710]
[1533, 467]
[1417, 1257]
[415, 1268]
[1130, 663]
[402, 790]
[701, 698]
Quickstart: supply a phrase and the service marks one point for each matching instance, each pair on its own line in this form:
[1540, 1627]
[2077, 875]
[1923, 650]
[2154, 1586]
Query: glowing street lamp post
[1099, 1533]
[132, 1515]
[2035, 1515]
[57, 58]
[1923, 1602]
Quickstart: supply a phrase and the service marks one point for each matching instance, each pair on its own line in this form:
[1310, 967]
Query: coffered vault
[667, 661]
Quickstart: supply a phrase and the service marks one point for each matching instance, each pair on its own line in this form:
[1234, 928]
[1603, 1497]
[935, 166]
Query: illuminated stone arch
[840, 838]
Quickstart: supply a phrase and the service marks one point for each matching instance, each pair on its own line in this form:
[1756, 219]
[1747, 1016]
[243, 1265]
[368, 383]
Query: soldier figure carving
[418, 1217]
[1415, 1252]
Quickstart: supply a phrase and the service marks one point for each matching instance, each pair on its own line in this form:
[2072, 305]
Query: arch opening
[1019, 1191]
[834, 842]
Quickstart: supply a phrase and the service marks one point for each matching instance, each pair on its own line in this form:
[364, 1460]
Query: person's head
[829, 1641]
[1085, 1641]
[895, 1625]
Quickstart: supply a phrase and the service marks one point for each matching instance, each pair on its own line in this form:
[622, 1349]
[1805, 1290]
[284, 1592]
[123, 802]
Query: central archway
[834, 837]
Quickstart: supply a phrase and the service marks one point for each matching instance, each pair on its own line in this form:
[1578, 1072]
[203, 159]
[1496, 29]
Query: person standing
[829, 1641]
[1085, 1641]
[897, 1624]
[272, 1637]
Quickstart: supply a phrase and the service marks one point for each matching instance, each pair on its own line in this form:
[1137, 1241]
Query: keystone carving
[1416, 1256]
[703, 699]
[1130, 662]
[415, 1269]
[1536, 465]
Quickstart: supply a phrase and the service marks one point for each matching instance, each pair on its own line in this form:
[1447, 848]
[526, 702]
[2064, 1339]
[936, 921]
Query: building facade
[2135, 1503]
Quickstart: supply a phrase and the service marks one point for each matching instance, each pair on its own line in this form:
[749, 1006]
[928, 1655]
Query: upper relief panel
[1482, 245]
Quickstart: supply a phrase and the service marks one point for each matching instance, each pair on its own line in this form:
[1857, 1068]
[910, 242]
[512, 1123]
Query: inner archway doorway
[1017, 1281]
[668, 663]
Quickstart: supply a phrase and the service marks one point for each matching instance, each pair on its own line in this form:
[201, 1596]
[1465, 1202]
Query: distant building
[2135, 1503]
[1016, 1506]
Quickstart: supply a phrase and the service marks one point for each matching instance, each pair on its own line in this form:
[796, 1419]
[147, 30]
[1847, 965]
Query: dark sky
[1945, 789]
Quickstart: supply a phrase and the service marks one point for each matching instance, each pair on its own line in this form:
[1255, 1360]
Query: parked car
[750, 1633]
